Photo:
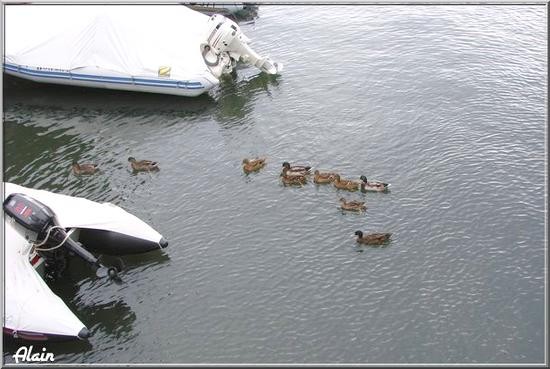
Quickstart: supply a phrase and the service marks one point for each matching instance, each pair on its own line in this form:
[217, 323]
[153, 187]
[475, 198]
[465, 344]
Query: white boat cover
[77, 212]
[30, 305]
[130, 40]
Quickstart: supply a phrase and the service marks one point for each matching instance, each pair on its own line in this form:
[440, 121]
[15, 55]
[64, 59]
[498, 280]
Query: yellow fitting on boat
[164, 71]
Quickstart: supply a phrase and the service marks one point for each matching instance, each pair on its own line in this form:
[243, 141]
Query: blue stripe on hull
[105, 79]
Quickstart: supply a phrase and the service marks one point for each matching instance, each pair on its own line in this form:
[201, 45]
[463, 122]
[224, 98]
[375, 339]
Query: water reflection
[231, 99]
[35, 155]
[235, 96]
[146, 260]
[50, 96]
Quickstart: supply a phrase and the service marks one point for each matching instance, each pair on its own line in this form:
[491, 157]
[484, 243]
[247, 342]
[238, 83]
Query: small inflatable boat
[41, 230]
[168, 49]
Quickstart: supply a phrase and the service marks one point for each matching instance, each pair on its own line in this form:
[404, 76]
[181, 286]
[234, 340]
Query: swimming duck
[79, 169]
[143, 165]
[322, 178]
[373, 185]
[372, 238]
[289, 173]
[294, 180]
[352, 205]
[296, 169]
[345, 184]
[252, 165]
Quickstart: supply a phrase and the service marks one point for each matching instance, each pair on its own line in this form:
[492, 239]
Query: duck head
[286, 164]
[131, 159]
[363, 178]
[359, 234]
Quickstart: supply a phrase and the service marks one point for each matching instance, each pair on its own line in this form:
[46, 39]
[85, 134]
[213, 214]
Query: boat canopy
[156, 48]
[134, 40]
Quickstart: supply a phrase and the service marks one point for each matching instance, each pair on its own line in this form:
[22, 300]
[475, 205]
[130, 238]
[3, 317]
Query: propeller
[109, 272]
[112, 271]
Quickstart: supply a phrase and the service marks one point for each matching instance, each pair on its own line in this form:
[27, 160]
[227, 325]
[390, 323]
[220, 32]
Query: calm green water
[445, 102]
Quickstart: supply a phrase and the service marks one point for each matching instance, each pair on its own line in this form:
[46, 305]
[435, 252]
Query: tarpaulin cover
[30, 305]
[78, 212]
[135, 40]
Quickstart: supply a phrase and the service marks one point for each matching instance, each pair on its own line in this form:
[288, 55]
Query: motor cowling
[30, 214]
[226, 44]
[222, 32]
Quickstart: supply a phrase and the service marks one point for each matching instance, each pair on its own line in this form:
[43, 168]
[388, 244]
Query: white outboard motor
[226, 45]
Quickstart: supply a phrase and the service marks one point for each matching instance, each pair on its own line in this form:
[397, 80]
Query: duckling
[294, 180]
[372, 238]
[143, 165]
[296, 169]
[79, 169]
[352, 205]
[253, 165]
[323, 178]
[373, 185]
[345, 184]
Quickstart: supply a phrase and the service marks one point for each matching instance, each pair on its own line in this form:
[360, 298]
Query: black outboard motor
[38, 224]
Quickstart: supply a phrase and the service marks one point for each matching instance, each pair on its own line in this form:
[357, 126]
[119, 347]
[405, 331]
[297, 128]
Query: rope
[209, 63]
[37, 248]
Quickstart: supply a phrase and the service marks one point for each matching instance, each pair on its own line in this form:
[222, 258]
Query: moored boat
[43, 229]
[168, 49]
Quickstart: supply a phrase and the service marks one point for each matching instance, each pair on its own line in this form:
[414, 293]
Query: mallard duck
[372, 238]
[294, 180]
[323, 178]
[345, 184]
[296, 169]
[289, 173]
[352, 205]
[79, 169]
[373, 185]
[143, 165]
[252, 165]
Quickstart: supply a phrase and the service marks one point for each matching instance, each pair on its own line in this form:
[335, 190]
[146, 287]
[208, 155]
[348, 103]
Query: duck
[323, 178]
[296, 169]
[88, 168]
[345, 184]
[373, 185]
[143, 165]
[289, 173]
[372, 238]
[253, 165]
[293, 180]
[352, 205]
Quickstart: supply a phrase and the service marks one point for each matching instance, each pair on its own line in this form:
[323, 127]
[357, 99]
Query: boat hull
[113, 82]
[38, 336]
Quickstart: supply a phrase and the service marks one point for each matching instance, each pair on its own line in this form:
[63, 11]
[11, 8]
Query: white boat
[32, 310]
[168, 49]
[233, 11]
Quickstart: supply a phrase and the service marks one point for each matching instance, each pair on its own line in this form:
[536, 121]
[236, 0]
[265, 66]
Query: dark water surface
[445, 102]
